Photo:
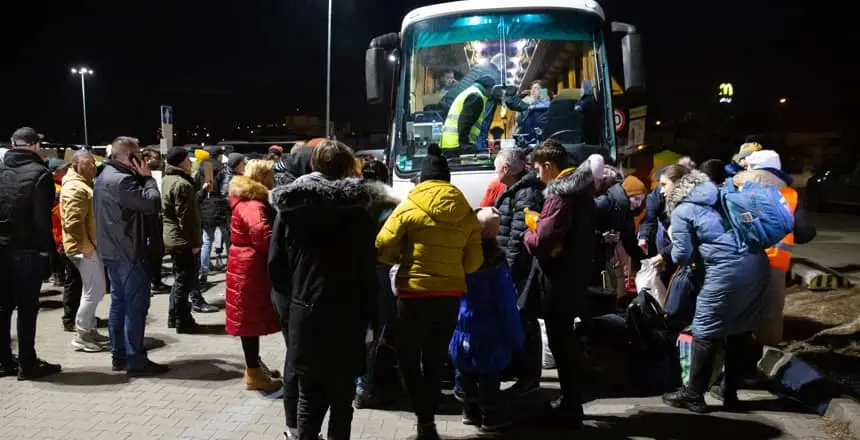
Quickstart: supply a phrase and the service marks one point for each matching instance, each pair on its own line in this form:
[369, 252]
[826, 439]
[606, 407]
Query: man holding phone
[125, 196]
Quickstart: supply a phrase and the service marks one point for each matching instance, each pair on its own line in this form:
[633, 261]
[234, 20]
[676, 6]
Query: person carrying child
[489, 330]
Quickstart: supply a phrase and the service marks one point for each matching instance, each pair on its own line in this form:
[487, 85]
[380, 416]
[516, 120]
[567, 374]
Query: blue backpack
[758, 214]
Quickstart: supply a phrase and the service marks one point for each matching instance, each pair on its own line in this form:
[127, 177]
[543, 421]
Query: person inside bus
[488, 75]
[592, 126]
[466, 116]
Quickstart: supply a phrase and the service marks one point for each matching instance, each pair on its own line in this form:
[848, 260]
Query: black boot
[426, 432]
[38, 370]
[186, 325]
[686, 399]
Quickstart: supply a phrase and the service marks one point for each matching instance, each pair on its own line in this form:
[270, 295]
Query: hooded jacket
[182, 225]
[564, 240]
[77, 214]
[249, 309]
[731, 298]
[323, 270]
[435, 237]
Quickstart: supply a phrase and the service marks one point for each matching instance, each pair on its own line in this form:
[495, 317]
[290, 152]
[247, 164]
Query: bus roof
[487, 6]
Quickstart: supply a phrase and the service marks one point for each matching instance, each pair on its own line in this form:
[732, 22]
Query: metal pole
[328, 76]
[84, 100]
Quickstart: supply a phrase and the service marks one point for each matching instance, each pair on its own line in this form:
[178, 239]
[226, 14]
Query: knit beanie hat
[633, 186]
[201, 155]
[435, 167]
[175, 156]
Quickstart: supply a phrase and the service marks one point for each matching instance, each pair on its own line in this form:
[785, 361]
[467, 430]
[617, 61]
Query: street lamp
[783, 100]
[328, 76]
[83, 71]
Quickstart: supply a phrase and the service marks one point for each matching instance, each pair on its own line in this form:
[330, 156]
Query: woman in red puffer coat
[249, 310]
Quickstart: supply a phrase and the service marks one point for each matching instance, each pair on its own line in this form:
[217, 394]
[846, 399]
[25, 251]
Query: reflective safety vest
[780, 255]
[450, 131]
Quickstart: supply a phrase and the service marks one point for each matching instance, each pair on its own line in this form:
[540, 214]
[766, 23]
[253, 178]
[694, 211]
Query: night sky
[219, 62]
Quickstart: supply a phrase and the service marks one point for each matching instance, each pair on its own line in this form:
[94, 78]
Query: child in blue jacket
[489, 330]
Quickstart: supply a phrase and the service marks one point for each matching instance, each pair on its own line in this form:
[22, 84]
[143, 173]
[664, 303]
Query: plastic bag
[648, 277]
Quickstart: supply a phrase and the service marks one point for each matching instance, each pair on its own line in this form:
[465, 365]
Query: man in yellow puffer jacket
[435, 237]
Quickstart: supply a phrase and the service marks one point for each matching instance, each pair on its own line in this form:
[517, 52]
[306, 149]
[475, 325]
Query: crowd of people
[322, 250]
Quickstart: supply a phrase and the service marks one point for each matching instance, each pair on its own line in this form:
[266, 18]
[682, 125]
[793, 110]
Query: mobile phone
[135, 160]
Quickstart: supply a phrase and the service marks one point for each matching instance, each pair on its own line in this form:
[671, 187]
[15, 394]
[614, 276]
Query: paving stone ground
[203, 398]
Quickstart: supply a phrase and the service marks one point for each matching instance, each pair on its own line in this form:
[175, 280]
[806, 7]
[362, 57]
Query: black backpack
[10, 195]
[646, 322]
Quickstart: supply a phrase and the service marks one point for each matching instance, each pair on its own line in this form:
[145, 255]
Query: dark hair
[374, 170]
[714, 169]
[553, 152]
[334, 159]
[150, 153]
[675, 172]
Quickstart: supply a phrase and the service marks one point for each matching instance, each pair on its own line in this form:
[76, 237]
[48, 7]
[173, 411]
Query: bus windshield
[538, 74]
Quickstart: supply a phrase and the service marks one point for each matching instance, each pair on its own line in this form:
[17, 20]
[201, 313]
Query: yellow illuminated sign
[727, 90]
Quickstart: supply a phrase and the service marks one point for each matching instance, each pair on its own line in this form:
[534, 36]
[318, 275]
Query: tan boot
[257, 380]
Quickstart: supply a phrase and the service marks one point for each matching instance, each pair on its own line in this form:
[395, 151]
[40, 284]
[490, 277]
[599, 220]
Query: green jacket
[182, 230]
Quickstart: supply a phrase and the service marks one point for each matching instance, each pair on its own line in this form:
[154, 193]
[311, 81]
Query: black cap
[26, 136]
[175, 156]
[435, 167]
[234, 159]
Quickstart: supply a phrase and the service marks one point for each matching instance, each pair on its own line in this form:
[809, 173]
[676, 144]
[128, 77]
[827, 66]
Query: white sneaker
[100, 339]
[84, 342]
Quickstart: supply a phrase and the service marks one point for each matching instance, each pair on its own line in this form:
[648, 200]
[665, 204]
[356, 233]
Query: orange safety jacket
[780, 255]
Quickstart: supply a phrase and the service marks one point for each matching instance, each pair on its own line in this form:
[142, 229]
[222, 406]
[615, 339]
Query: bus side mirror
[631, 55]
[374, 60]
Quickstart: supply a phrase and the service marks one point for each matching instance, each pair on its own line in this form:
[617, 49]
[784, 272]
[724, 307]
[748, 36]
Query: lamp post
[83, 71]
[328, 76]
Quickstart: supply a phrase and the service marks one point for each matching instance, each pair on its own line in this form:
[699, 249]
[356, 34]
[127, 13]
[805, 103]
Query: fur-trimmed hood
[572, 182]
[696, 188]
[246, 188]
[380, 193]
[611, 176]
[315, 191]
[765, 176]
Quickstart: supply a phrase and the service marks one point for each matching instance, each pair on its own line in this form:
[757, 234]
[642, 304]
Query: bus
[548, 55]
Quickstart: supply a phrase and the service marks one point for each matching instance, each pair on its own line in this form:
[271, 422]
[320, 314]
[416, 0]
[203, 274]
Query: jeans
[319, 395]
[92, 275]
[206, 250]
[185, 282]
[705, 352]
[128, 308]
[482, 389]
[425, 327]
[72, 290]
[21, 273]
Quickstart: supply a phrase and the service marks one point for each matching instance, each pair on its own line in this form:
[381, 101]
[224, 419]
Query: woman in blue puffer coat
[729, 305]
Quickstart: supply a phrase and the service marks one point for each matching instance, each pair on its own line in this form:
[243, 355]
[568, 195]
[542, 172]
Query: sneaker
[685, 399]
[150, 369]
[83, 343]
[201, 306]
[38, 370]
[100, 339]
